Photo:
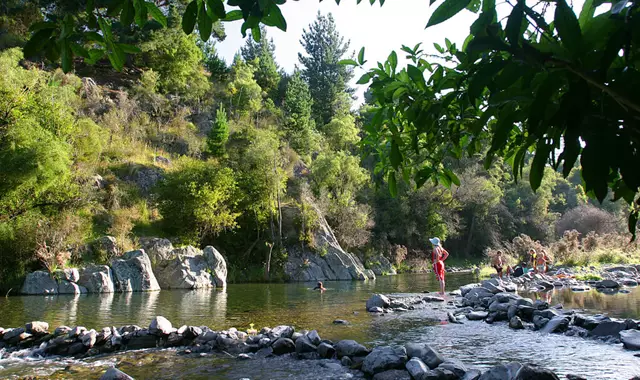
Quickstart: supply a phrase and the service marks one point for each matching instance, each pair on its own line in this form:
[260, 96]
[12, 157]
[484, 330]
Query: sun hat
[435, 241]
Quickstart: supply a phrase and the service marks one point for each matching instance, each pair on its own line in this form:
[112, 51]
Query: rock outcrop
[191, 268]
[61, 282]
[381, 266]
[157, 249]
[97, 279]
[132, 273]
[328, 261]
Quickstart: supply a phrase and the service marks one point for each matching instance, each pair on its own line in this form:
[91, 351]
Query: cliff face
[328, 261]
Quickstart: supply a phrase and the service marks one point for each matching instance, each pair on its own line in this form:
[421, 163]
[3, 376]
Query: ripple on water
[476, 343]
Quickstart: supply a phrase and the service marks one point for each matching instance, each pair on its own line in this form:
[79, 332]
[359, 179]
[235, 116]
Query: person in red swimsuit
[438, 256]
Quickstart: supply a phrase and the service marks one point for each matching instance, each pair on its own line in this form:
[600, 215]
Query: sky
[378, 29]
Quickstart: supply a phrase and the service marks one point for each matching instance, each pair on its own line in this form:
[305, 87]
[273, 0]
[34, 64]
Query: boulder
[528, 372]
[61, 330]
[477, 315]
[478, 293]
[157, 249]
[12, 334]
[303, 345]
[378, 300]
[609, 328]
[630, 339]
[433, 299]
[376, 309]
[326, 350]
[424, 352]
[115, 374]
[37, 327]
[516, 323]
[106, 244]
[502, 372]
[558, 323]
[394, 374]
[384, 358]
[283, 346]
[466, 288]
[184, 272]
[217, 264]
[132, 273]
[160, 326]
[548, 313]
[493, 286]
[67, 287]
[350, 348]
[472, 374]
[280, 332]
[39, 283]
[416, 368]
[539, 321]
[607, 284]
[314, 338]
[89, 338]
[455, 366]
[68, 274]
[97, 279]
[380, 265]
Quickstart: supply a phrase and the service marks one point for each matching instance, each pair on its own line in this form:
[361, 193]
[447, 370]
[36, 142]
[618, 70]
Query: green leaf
[571, 152]
[514, 24]
[233, 16]
[256, 33]
[348, 62]
[393, 186]
[474, 6]
[156, 13]
[141, 12]
[416, 76]
[393, 61]
[588, 9]
[618, 7]
[79, 50]
[364, 79]
[454, 178]
[37, 42]
[94, 56]
[439, 48]
[568, 27]
[218, 8]
[67, 57]
[263, 4]
[205, 24]
[447, 10]
[445, 180]
[42, 25]
[538, 164]
[127, 14]
[361, 56]
[632, 223]
[190, 16]
[130, 49]
[275, 18]
[396, 156]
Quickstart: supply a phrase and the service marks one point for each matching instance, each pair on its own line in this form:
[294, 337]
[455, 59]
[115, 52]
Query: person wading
[438, 256]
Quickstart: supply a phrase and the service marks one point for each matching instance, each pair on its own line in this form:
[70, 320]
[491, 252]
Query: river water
[476, 343]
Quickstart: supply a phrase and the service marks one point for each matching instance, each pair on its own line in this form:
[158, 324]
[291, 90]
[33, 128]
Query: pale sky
[379, 29]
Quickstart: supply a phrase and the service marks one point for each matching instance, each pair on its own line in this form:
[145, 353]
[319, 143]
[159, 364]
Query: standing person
[541, 262]
[498, 263]
[532, 259]
[438, 256]
[547, 260]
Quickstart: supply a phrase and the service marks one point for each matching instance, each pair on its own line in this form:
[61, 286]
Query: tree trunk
[267, 273]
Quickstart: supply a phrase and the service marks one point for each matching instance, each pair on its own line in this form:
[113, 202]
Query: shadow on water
[476, 343]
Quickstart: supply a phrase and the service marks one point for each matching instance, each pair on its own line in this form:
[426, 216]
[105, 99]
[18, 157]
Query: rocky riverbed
[495, 300]
[342, 359]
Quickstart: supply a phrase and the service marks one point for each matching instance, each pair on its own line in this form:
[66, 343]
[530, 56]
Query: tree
[261, 55]
[338, 175]
[558, 91]
[298, 125]
[341, 132]
[216, 66]
[198, 200]
[219, 134]
[245, 95]
[326, 78]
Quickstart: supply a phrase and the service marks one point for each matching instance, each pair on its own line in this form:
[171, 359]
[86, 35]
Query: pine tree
[219, 134]
[261, 55]
[326, 78]
[297, 106]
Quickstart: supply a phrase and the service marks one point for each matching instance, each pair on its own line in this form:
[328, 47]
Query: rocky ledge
[417, 361]
[158, 265]
[492, 301]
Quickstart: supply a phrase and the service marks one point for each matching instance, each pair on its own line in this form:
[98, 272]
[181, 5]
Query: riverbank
[412, 361]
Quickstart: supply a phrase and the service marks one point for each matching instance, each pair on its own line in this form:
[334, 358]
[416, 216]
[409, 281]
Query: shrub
[587, 218]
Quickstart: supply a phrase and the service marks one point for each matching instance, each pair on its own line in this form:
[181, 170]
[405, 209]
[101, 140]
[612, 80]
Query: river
[478, 344]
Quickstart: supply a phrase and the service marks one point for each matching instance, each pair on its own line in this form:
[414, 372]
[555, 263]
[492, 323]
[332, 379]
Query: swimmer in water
[320, 287]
